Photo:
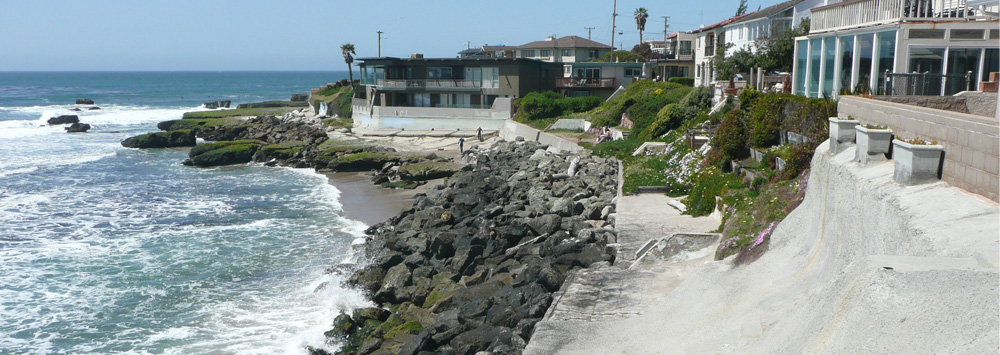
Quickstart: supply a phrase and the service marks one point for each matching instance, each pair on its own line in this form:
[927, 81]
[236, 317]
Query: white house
[776, 18]
[708, 39]
[922, 47]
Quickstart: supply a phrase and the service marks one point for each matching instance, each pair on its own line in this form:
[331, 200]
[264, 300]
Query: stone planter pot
[756, 154]
[916, 164]
[873, 145]
[779, 164]
[842, 133]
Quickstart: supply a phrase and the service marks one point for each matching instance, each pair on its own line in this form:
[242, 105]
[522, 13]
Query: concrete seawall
[864, 265]
[512, 129]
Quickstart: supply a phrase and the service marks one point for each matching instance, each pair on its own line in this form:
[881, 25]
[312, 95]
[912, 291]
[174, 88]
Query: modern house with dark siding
[446, 93]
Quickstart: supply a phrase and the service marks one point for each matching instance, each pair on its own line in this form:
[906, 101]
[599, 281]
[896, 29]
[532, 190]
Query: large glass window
[439, 73]
[962, 61]
[527, 53]
[829, 56]
[491, 77]
[801, 48]
[846, 62]
[886, 55]
[926, 60]
[815, 55]
[864, 62]
[545, 52]
[566, 52]
[991, 62]
[685, 47]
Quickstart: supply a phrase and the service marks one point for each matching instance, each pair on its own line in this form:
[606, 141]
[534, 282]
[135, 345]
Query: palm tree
[348, 50]
[640, 20]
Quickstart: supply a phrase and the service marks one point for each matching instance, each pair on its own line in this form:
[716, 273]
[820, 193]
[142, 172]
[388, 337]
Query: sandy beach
[369, 203]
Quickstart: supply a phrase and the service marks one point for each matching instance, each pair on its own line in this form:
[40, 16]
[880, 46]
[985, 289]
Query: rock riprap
[472, 266]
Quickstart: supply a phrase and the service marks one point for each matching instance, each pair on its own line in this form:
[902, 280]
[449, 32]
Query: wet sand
[369, 203]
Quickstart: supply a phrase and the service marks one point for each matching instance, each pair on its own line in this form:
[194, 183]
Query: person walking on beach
[461, 143]
[479, 134]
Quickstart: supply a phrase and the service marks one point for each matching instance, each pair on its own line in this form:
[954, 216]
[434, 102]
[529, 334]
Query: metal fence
[926, 84]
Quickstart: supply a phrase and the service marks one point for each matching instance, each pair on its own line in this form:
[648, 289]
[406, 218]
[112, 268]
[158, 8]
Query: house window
[491, 77]
[633, 72]
[567, 71]
[685, 47]
[439, 73]
[527, 53]
[567, 52]
[967, 34]
[545, 53]
[921, 33]
[594, 54]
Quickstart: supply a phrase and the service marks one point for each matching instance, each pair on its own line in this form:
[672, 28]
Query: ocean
[105, 249]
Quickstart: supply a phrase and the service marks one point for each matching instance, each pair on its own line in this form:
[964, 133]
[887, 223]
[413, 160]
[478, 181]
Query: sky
[135, 35]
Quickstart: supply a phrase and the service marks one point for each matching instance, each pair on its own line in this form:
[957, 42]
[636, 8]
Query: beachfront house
[678, 58]
[568, 49]
[743, 33]
[445, 93]
[709, 40]
[898, 47]
[600, 79]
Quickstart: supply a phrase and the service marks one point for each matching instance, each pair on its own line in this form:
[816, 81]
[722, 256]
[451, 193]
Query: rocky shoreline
[473, 265]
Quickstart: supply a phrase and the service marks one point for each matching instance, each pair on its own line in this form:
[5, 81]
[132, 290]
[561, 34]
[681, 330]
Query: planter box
[734, 166]
[842, 133]
[874, 145]
[779, 164]
[756, 154]
[916, 164]
[795, 138]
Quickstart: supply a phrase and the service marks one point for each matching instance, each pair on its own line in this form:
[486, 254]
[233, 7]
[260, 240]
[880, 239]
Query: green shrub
[538, 106]
[610, 113]
[681, 80]
[645, 112]
[707, 184]
[729, 141]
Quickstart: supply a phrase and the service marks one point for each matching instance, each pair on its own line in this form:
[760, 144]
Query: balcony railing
[437, 83]
[585, 82]
[864, 13]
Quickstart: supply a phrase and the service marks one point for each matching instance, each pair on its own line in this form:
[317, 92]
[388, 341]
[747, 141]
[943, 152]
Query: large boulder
[78, 128]
[64, 119]
[222, 153]
[176, 138]
[428, 170]
[84, 102]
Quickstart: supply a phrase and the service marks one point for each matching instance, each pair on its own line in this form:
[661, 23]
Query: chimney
[416, 56]
[550, 38]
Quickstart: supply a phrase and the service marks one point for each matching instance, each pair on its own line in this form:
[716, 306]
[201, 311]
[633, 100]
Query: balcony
[593, 83]
[454, 84]
[866, 13]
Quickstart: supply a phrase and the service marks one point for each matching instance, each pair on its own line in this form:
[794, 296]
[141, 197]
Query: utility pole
[665, 27]
[614, 16]
[588, 31]
[379, 43]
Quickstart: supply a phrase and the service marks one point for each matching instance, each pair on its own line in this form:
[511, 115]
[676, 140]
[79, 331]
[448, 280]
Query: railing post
[968, 81]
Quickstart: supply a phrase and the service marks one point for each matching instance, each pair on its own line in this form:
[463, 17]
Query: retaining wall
[511, 130]
[971, 143]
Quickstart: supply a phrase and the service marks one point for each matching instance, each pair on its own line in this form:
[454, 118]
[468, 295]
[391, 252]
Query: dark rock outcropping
[78, 128]
[84, 102]
[300, 97]
[218, 104]
[64, 119]
[473, 265]
[178, 138]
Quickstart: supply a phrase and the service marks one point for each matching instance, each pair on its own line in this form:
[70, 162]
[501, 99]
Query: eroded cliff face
[473, 265]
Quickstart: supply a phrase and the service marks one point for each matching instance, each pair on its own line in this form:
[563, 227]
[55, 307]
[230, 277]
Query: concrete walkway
[591, 297]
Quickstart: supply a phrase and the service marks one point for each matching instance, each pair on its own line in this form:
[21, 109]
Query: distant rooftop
[565, 42]
[770, 10]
